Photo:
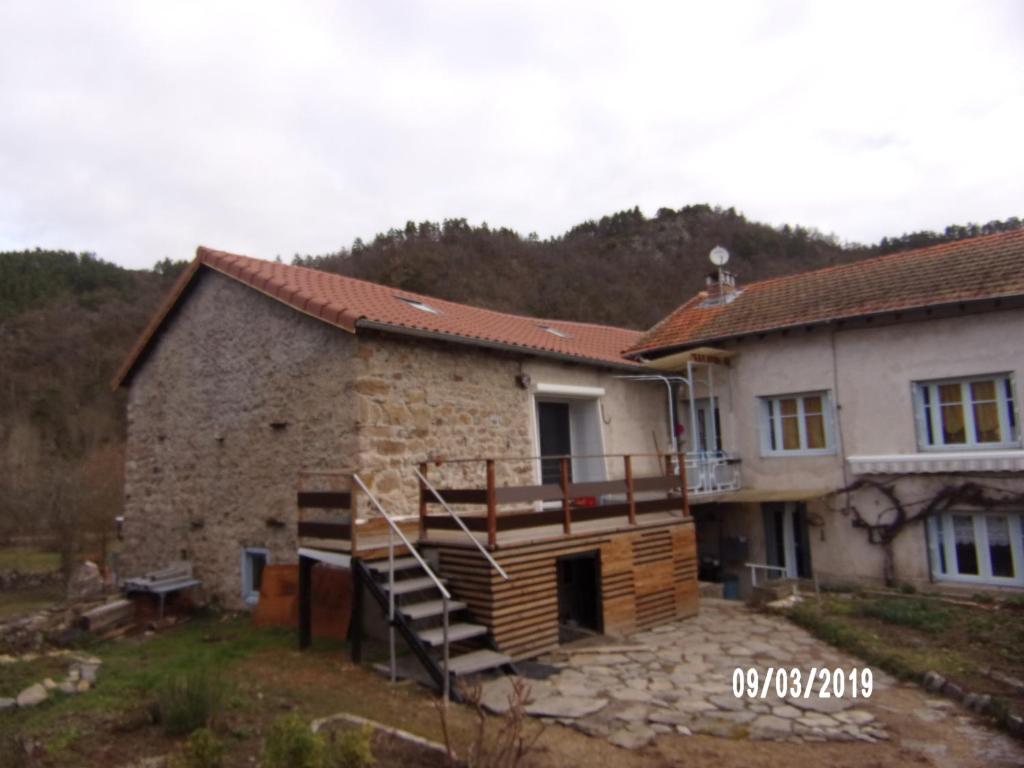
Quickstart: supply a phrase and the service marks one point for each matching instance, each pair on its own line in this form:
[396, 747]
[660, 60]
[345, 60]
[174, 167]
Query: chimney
[720, 287]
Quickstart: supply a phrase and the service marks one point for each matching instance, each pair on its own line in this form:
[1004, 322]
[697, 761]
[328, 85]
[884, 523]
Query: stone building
[254, 372]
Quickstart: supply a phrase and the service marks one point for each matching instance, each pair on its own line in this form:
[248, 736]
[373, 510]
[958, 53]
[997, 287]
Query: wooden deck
[637, 529]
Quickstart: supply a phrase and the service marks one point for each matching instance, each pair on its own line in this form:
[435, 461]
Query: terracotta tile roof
[350, 303]
[979, 268]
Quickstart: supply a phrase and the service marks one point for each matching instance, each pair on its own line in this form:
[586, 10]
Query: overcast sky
[139, 130]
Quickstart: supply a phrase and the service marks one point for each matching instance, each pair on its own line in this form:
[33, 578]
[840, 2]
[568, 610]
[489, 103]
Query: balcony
[709, 473]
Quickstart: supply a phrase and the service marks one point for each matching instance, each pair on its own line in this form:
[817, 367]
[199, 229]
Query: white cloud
[140, 130]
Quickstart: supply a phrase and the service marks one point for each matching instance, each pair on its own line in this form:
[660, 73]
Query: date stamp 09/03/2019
[820, 682]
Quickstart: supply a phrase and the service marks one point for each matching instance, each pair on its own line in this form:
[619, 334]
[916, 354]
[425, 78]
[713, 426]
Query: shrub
[351, 748]
[189, 700]
[292, 744]
[203, 750]
[907, 589]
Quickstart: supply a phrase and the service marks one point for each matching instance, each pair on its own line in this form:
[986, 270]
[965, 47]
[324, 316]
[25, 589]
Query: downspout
[693, 403]
[841, 443]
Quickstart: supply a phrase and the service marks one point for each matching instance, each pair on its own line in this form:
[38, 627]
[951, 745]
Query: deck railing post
[423, 502]
[353, 517]
[355, 630]
[305, 601]
[681, 458]
[628, 461]
[492, 507]
[566, 508]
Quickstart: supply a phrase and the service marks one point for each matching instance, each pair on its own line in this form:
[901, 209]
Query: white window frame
[941, 535]
[1009, 423]
[250, 595]
[771, 423]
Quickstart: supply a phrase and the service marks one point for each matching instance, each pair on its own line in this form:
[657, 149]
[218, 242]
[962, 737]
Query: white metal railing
[394, 530]
[755, 567]
[462, 525]
[712, 472]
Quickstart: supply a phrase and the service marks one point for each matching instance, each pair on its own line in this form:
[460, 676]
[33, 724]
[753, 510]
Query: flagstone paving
[679, 678]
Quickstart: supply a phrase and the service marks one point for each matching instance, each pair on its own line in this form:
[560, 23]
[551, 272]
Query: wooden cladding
[652, 546]
[639, 571]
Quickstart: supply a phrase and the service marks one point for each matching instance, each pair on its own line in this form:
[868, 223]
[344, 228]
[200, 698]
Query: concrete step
[477, 661]
[401, 564]
[405, 586]
[456, 632]
[430, 608]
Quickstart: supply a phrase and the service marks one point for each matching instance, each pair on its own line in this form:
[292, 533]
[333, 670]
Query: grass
[924, 614]
[909, 636]
[264, 676]
[28, 560]
[28, 600]
[14, 678]
[133, 669]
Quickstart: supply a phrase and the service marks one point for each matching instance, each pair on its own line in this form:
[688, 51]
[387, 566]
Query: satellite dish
[719, 256]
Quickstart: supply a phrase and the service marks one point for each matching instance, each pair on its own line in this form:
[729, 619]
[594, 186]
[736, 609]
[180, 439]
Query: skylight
[421, 306]
[554, 331]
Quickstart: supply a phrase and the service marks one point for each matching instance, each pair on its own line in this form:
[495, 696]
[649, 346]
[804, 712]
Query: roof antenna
[726, 288]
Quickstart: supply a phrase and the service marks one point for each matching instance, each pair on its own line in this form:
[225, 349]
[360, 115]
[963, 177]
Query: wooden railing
[577, 502]
[332, 511]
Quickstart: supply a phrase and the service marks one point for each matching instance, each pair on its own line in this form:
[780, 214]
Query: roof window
[421, 306]
[554, 331]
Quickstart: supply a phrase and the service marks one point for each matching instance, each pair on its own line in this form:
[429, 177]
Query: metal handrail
[462, 525]
[402, 536]
[445, 594]
[764, 566]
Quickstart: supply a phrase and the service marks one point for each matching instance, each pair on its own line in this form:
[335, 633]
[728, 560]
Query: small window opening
[417, 304]
[253, 563]
[554, 331]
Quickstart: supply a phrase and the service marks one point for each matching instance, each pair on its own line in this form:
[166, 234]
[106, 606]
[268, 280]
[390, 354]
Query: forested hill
[624, 269]
[67, 319]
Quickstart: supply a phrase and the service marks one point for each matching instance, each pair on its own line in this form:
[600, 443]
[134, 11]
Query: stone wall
[416, 398]
[239, 393]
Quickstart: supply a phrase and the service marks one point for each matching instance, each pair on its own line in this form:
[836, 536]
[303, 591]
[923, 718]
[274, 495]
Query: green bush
[292, 744]
[189, 700]
[203, 750]
[351, 748]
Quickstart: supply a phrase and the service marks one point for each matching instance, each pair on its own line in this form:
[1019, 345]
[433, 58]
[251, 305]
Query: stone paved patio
[678, 678]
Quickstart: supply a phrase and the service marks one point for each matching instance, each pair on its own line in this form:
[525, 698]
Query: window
[554, 331]
[253, 562]
[420, 305]
[978, 547]
[966, 413]
[796, 424]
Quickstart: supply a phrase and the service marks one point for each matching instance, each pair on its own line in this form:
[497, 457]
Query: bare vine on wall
[901, 514]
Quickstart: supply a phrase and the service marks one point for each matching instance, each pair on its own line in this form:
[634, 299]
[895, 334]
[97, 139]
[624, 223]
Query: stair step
[477, 661]
[430, 608]
[411, 585]
[401, 564]
[456, 632]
